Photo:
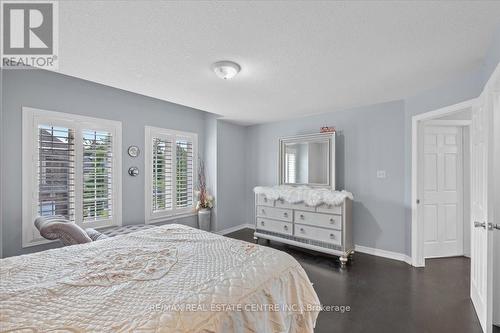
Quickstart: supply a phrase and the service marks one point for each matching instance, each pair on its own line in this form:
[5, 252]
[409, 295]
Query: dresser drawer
[275, 213]
[329, 209]
[275, 226]
[319, 234]
[318, 220]
[287, 205]
[263, 201]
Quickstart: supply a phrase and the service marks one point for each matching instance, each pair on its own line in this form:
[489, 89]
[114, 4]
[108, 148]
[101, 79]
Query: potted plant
[205, 200]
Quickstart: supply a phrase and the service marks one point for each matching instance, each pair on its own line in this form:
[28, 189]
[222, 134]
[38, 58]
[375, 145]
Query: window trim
[31, 118]
[157, 217]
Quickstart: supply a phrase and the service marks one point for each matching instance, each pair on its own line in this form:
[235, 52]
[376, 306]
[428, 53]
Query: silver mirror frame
[308, 138]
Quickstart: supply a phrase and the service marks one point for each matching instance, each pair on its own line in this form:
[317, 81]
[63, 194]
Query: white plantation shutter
[184, 172]
[56, 171]
[170, 158]
[291, 169]
[71, 167]
[162, 174]
[97, 175]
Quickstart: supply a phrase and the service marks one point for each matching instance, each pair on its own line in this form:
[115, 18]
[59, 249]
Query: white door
[482, 188]
[442, 191]
[496, 213]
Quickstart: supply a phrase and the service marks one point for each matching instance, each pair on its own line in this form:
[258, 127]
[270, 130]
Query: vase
[204, 219]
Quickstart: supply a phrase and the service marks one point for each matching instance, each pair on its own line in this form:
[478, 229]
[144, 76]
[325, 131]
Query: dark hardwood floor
[387, 295]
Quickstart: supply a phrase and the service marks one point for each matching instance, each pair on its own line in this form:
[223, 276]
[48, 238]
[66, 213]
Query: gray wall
[382, 207]
[211, 163]
[52, 91]
[231, 168]
[369, 139]
[492, 57]
[456, 91]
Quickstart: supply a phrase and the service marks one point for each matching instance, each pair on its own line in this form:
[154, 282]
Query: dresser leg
[343, 261]
[256, 240]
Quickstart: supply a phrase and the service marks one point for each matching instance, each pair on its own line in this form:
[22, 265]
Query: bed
[171, 278]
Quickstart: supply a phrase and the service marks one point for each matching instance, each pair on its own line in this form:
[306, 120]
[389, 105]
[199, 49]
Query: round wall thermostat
[133, 151]
[133, 171]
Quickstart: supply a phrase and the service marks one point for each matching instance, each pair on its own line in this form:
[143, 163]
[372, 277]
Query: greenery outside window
[170, 173]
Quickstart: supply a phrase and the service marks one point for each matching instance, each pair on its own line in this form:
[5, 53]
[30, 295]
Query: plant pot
[204, 219]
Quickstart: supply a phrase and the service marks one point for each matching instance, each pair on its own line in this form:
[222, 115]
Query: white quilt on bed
[167, 279]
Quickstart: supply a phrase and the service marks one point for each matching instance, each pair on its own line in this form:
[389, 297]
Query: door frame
[417, 231]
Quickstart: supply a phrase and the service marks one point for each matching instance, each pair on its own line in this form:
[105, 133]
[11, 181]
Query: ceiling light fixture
[226, 69]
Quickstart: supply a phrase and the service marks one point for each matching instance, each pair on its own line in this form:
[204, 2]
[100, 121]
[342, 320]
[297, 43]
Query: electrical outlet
[381, 174]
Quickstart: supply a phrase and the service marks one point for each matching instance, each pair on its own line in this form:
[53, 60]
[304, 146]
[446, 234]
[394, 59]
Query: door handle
[492, 226]
[480, 225]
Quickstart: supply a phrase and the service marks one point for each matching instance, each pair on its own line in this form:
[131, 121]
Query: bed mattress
[171, 278]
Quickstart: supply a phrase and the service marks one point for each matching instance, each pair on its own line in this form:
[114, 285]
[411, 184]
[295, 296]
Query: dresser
[324, 228]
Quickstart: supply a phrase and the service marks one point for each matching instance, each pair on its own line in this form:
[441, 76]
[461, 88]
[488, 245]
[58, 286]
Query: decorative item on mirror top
[205, 200]
[327, 129]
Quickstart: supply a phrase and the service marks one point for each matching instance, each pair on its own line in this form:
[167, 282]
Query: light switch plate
[381, 174]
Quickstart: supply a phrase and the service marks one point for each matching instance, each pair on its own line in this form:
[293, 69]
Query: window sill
[166, 218]
[37, 242]
[99, 226]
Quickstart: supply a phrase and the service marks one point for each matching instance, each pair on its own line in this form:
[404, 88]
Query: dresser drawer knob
[332, 220]
[261, 222]
[302, 216]
[263, 211]
[302, 230]
[285, 227]
[265, 199]
[332, 236]
[285, 214]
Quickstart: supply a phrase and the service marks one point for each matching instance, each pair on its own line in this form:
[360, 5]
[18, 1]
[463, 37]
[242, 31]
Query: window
[56, 171]
[291, 166]
[171, 171]
[97, 175]
[71, 167]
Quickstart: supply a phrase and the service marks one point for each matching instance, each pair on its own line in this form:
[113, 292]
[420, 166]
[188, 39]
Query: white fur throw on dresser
[310, 196]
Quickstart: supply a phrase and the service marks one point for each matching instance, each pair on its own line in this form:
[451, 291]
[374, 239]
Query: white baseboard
[358, 248]
[235, 228]
[383, 253]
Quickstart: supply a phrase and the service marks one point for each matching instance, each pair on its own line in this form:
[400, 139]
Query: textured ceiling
[297, 58]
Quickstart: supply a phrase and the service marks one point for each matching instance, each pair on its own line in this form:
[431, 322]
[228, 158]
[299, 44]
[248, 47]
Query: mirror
[307, 160]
